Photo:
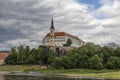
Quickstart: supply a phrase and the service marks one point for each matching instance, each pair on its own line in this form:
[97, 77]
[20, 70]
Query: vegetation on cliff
[89, 56]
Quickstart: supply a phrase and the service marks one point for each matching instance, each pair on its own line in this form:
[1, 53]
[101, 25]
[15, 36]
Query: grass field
[18, 67]
[113, 74]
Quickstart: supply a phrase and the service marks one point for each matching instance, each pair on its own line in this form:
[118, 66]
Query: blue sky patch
[95, 3]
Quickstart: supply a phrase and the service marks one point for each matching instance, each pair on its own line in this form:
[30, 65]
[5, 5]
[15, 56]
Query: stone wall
[60, 50]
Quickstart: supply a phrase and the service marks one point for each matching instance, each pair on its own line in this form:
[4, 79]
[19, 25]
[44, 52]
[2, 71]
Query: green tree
[66, 62]
[89, 49]
[52, 57]
[88, 56]
[30, 59]
[44, 56]
[95, 62]
[26, 53]
[113, 63]
[57, 63]
[12, 58]
[107, 52]
[117, 52]
[68, 42]
[73, 55]
[21, 54]
[40, 54]
[34, 53]
[82, 61]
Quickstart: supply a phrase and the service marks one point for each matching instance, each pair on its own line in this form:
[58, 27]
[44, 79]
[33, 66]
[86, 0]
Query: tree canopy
[89, 56]
[68, 42]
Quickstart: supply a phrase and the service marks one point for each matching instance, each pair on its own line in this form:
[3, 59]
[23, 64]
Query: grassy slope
[70, 72]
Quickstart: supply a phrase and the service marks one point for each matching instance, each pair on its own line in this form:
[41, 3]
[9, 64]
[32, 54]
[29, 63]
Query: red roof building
[60, 38]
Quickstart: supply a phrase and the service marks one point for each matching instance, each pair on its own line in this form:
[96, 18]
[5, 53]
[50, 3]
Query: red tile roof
[63, 34]
[4, 54]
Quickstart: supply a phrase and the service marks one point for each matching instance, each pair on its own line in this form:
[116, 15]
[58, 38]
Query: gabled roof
[63, 34]
[57, 34]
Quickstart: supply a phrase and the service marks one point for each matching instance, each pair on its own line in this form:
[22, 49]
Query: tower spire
[52, 23]
[52, 33]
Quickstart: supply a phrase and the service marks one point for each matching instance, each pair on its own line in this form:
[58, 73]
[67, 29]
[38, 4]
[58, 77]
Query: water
[43, 77]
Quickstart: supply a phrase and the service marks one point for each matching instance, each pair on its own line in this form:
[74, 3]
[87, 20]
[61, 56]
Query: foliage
[89, 56]
[113, 63]
[95, 62]
[68, 42]
[12, 59]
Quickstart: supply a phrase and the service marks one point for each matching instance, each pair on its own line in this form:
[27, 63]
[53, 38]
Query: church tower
[52, 33]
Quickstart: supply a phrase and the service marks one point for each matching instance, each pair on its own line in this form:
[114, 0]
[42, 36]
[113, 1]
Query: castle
[60, 38]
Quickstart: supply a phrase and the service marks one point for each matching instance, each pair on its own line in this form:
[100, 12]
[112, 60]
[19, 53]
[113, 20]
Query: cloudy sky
[26, 22]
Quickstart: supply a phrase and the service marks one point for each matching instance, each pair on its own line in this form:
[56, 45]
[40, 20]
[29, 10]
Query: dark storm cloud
[9, 34]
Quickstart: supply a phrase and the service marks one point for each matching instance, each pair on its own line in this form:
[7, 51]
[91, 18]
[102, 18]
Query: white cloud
[24, 42]
[106, 2]
[108, 16]
[28, 21]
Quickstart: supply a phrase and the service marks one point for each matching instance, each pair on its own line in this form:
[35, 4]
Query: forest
[89, 56]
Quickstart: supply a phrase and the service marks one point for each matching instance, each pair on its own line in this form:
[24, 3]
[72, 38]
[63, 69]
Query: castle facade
[60, 38]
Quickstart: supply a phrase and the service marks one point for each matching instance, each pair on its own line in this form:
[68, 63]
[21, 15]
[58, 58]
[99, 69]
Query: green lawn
[70, 72]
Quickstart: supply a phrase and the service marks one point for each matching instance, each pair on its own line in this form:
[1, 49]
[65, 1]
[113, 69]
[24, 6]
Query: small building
[3, 56]
[60, 38]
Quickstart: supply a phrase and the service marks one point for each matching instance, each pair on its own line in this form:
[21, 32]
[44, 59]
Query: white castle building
[60, 38]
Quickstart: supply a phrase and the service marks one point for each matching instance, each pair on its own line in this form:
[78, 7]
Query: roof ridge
[64, 34]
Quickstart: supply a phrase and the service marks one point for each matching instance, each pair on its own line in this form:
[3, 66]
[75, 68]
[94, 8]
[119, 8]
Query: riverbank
[112, 74]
